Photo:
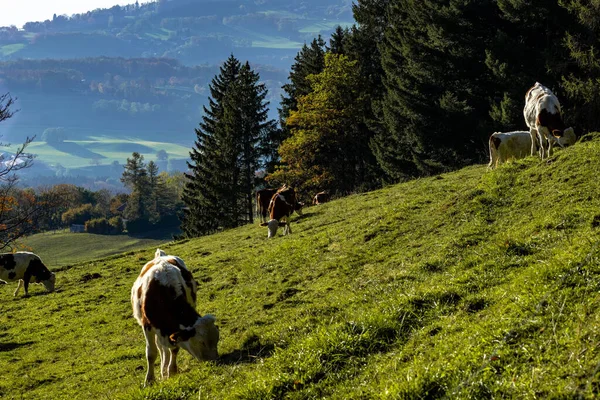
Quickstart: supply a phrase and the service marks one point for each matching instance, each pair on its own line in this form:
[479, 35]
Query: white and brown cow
[543, 117]
[282, 205]
[26, 268]
[163, 298]
[517, 144]
[321, 197]
[263, 200]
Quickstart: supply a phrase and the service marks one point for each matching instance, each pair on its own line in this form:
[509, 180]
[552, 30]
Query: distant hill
[142, 71]
[193, 32]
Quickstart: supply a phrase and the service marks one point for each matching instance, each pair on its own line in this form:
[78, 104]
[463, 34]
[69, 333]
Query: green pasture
[83, 153]
[61, 248]
[268, 41]
[474, 284]
[9, 49]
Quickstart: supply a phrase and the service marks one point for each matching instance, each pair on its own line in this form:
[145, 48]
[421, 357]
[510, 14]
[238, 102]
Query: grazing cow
[282, 205]
[321, 197]
[543, 118]
[163, 298]
[263, 198]
[25, 267]
[507, 145]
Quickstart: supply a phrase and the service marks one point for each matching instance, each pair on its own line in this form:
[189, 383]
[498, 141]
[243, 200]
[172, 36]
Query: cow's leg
[551, 141]
[26, 285]
[493, 159]
[544, 137]
[173, 362]
[151, 353]
[19, 284]
[534, 138]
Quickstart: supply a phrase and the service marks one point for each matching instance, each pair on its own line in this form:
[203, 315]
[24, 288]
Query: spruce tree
[202, 192]
[135, 177]
[219, 190]
[310, 60]
[337, 42]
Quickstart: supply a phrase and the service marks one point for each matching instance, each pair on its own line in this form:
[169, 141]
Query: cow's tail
[493, 151]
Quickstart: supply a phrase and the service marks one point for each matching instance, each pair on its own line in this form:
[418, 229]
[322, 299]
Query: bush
[104, 226]
[79, 215]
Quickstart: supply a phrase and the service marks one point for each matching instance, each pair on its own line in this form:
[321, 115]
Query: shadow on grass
[251, 351]
[12, 346]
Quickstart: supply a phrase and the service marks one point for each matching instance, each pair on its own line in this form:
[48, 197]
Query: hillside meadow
[472, 284]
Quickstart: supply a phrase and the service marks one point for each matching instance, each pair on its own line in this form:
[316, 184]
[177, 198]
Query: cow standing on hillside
[321, 197]
[543, 118]
[515, 145]
[282, 205]
[163, 298]
[263, 199]
[25, 267]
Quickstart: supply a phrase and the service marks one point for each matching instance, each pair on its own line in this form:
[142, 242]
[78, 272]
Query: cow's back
[542, 108]
[163, 297]
[14, 265]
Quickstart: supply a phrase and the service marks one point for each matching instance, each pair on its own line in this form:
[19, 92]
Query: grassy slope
[472, 284]
[63, 248]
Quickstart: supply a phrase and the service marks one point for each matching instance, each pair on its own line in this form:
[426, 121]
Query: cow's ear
[182, 335]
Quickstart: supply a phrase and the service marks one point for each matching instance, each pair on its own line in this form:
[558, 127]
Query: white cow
[543, 118]
[514, 145]
[163, 298]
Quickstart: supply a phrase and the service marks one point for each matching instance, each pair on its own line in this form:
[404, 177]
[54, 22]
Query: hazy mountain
[141, 72]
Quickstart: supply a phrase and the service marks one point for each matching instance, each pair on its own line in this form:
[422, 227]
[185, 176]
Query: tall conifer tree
[219, 190]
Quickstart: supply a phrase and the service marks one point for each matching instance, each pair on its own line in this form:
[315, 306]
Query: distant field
[81, 153]
[272, 42]
[161, 34]
[65, 248]
[11, 48]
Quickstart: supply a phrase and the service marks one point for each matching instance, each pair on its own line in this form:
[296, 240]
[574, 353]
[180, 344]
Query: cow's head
[298, 207]
[551, 119]
[568, 138]
[272, 226]
[49, 283]
[199, 340]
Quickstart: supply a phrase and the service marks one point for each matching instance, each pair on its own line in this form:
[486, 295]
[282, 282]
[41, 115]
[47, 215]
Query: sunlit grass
[473, 284]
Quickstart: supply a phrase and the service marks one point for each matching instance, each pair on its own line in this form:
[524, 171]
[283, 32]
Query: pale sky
[17, 12]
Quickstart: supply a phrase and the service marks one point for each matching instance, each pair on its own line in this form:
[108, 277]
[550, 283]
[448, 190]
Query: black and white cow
[25, 267]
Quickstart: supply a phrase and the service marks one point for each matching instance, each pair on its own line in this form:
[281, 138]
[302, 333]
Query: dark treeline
[414, 89]
[426, 83]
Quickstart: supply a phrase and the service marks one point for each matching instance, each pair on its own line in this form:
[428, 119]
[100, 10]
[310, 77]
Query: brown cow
[263, 199]
[164, 303]
[321, 197]
[282, 205]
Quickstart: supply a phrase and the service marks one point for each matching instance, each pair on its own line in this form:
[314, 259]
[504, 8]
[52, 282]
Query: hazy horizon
[40, 10]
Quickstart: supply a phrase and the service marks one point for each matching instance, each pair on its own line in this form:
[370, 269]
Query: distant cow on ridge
[543, 118]
[321, 197]
[515, 145]
[25, 267]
